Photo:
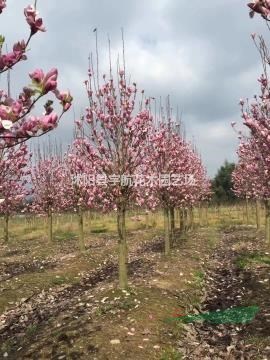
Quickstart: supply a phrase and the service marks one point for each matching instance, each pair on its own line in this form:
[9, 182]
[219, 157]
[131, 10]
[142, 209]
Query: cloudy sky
[199, 52]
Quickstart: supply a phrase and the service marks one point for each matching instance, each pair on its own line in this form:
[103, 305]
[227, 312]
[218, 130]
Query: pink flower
[35, 24]
[37, 75]
[261, 7]
[44, 83]
[50, 80]
[48, 122]
[65, 99]
[2, 5]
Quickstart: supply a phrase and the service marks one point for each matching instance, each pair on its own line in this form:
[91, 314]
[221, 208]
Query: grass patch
[199, 276]
[32, 330]
[62, 235]
[171, 354]
[99, 230]
[248, 259]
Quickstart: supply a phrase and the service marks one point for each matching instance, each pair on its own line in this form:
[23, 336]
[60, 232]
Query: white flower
[7, 124]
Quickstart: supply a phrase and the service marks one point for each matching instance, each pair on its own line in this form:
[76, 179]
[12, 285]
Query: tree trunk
[185, 220]
[172, 224]
[247, 212]
[50, 225]
[200, 213]
[206, 215]
[167, 231]
[122, 243]
[258, 214]
[81, 233]
[6, 228]
[182, 221]
[267, 221]
[191, 219]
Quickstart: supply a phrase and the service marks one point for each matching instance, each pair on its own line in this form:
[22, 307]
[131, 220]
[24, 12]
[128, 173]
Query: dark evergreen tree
[222, 184]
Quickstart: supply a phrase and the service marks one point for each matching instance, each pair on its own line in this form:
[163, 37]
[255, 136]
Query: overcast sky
[199, 52]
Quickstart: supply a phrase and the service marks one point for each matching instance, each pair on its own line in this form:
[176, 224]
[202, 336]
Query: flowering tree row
[116, 141]
[252, 174]
[117, 137]
[14, 170]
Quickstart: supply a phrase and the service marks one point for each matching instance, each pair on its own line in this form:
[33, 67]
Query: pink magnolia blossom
[36, 24]
[2, 5]
[261, 7]
[16, 123]
[44, 82]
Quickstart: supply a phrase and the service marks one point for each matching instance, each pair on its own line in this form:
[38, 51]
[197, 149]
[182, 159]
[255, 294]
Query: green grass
[199, 276]
[99, 230]
[171, 354]
[62, 235]
[248, 259]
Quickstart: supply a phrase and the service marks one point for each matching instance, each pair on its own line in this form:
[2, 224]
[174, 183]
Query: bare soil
[60, 304]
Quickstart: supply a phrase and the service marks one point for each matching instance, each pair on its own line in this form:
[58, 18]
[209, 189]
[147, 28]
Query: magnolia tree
[16, 122]
[48, 189]
[176, 177]
[256, 116]
[13, 178]
[114, 143]
[79, 181]
[163, 163]
[250, 181]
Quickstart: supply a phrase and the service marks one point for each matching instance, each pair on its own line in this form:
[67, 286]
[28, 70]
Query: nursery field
[114, 244]
[57, 302]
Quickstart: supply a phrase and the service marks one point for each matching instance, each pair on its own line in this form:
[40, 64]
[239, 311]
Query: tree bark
[200, 213]
[206, 215]
[267, 221]
[122, 244]
[167, 231]
[247, 212]
[182, 221]
[50, 225]
[185, 220]
[81, 232]
[258, 214]
[191, 219]
[6, 228]
[172, 224]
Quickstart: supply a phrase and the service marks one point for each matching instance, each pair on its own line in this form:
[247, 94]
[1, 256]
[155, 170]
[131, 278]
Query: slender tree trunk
[267, 221]
[247, 212]
[81, 232]
[6, 228]
[50, 225]
[258, 214]
[185, 213]
[122, 243]
[172, 224]
[206, 215]
[191, 218]
[200, 213]
[167, 231]
[182, 221]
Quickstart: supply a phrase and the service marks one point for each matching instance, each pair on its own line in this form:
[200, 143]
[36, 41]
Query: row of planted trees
[129, 160]
[251, 176]
[121, 156]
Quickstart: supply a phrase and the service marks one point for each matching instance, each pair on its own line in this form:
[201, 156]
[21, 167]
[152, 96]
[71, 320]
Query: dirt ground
[56, 303]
